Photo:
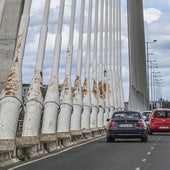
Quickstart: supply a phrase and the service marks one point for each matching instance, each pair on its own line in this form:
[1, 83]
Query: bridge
[44, 120]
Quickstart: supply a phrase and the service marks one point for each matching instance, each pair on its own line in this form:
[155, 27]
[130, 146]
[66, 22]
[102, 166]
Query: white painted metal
[85, 124]
[34, 97]
[77, 91]
[114, 56]
[106, 57]
[121, 101]
[64, 117]
[117, 61]
[94, 90]
[2, 8]
[11, 96]
[100, 122]
[111, 92]
[51, 102]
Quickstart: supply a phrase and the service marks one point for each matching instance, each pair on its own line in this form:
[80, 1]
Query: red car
[159, 121]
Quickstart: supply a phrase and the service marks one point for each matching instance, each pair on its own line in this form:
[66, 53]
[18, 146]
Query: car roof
[126, 111]
[163, 109]
[146, 111]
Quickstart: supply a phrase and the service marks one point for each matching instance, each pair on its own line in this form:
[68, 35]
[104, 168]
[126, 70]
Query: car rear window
[162, 114]
[127, 115]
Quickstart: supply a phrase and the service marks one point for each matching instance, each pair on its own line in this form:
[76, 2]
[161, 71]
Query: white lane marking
[144, 160]
[137, 168]
[48, 156]
[149, 153]
[152, 148]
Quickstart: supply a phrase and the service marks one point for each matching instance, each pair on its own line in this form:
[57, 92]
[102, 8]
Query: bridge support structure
[138, 94]
[58, 120]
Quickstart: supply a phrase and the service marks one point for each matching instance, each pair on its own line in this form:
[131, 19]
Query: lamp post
[147, 59]
[154, 85]
[151, 67]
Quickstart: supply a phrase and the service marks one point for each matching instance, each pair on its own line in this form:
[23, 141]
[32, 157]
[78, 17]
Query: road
[119, 155]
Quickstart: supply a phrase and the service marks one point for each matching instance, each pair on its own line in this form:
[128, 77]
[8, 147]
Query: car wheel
[144, 139]
[110, 139]
[150, 132]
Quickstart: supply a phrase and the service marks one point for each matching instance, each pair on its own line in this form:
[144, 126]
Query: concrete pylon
[51, 102]
[111, 52]
[94, 92]
[106, 63]
[11, 96]
[8, 35]
[77, 89]
[85, 121]
[34, 97]
[66, 103]
[138, 94]
[100, 122]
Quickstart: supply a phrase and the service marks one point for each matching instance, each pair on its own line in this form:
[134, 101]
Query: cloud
[151, 14]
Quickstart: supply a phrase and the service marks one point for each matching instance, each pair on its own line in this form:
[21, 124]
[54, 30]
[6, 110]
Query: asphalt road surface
[123, 154]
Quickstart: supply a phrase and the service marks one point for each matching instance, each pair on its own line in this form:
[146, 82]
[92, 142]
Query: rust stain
[104, 90]
[66, 86]
[100, 87]
[85, 87]
[36, 89]
[76, 88]
[12, 82]
[52, 83]
[94, 88]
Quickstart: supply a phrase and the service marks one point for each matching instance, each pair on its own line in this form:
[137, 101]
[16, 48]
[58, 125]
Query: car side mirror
[108, 120]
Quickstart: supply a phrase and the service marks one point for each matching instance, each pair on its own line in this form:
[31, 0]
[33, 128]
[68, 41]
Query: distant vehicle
[126, 124]
[159, 121]
[146, 115]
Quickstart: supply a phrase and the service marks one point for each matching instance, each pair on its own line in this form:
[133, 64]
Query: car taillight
[112, 124]
[140, 124]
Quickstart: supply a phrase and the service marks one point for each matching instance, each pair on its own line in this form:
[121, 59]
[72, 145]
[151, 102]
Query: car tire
[150, 132]
[110, 139]
[144, 139]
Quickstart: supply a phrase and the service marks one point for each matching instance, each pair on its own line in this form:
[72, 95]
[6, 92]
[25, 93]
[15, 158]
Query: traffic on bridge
[72, 113]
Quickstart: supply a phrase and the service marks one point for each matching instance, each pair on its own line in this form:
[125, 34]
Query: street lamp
[151, 89]
[155, 78]
[147, 59]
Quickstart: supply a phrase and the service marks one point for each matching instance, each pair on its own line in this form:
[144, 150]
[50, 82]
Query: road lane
[119, 155]
[160, 155]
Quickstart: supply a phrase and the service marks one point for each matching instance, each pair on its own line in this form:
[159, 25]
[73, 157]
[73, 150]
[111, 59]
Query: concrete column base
[95, 132]
[87, 134]
[76, 136]
[64, 139]
[102, 130]
[27, 147]
[8, 158]
[7, 152]
[49, 142]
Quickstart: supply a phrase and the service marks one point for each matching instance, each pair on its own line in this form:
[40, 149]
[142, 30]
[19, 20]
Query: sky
[157, 27]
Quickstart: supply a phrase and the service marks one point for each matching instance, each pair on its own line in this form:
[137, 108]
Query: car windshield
[126, 115]
[162, 114]
[147, 113]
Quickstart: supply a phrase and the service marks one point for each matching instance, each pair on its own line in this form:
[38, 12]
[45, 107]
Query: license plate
[125, 125]
[163, 127]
